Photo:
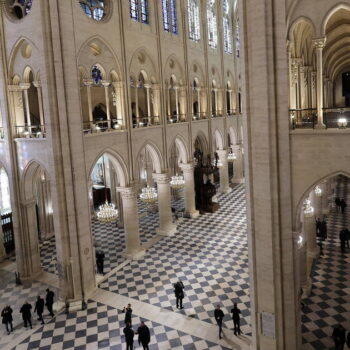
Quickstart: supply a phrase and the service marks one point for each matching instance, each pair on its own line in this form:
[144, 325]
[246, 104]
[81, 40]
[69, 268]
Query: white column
[134, 249]
[148, 87]
[40, 101]
[316, 202]
[303, 87]
[199, 100]
[169, 102]
[313, 90]
[25, 87]
[319, 45]
[223, 170]
[310, 234]
[137, 104]
[189, 191]
[106, 85]
[326, 191]
[237, 165]
[166, 226]
[177, 102]
[88, 84]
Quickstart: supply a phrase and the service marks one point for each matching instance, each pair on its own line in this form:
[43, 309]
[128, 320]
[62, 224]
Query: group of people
[219, 316]
[340, 204]
[144, 335]
[339, 337]
[25, 310]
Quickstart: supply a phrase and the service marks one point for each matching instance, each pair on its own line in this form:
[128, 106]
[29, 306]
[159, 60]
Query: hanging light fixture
[148, 195]
[107, 212]
[231, 156]
[318, 191]
[308, 209]
[217, 161]
[177, 182]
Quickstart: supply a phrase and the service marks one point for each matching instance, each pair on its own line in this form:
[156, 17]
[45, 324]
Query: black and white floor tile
[101, 327]
[208, 253]
[328, 304]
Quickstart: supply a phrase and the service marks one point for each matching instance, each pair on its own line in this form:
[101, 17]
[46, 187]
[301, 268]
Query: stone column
[88, 83]
[119, 103]
[166, 226]
[37, 84]
[169, 102]
[137, 105]
[134, 249]
[224, 178]
[326, 190]
[316, 202]
[3, 254]
[106, 85]
[25, 87]
[319, 44]
[155, 99]
[303, 86]
[293, 84]
[237, 165]
[313, 90]
[199, 100]
[189, 192]
[177, 102]
[148, 87]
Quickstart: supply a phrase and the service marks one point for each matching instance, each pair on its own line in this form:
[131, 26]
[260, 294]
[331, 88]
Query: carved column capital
[161, 179]
[319, 43]
[127, 192]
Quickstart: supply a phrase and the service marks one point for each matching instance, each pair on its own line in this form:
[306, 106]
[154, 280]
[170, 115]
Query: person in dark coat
[347, 237]
[100, 258]
[26, 314]
[49, 301]
[128, 312]
[7, 319]
[219, 316]
[318, 227]
[129, 337]
[323, 230]
[337, 203]
[343, 205]
[179, 293]
[339, 337]
[236, 319]
[144, 335]
[39, 308]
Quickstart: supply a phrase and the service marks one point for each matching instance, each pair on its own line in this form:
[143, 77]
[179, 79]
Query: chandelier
[217, 161]
[308, 209]
[231, 156]
[177, 181]
[342, 123]
[318, 191]
[107, 213]
[148, 195]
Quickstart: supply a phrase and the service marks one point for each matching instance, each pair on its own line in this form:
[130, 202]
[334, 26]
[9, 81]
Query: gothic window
[193, 20]
[212, 24]
[94, 9]
[96, 75]
[21, 8]
[227, 27]
[139, 10]
[237, 38]
[169, 16]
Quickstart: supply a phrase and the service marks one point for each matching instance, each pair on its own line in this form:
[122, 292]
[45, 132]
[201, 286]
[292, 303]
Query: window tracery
[193, 20]
[212, 24]
[95, 9]
[227, 27]
[169, 16]
[21, 8]
[139, 10]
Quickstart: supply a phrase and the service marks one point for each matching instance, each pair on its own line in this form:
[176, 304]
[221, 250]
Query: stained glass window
[139, 10]
[94, 9]
[169, 16]
[96, 75]
[193, 20]
[212, 24]
[227, 26]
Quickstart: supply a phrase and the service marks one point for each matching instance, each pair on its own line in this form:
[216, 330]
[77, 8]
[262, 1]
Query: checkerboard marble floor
[101, 327]
[16, 296]
[208, 253]
[328, 304]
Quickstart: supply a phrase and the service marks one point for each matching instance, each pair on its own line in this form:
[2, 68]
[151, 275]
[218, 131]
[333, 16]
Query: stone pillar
[189, 192]
[25, 87]
[316, 202]
[155, 99]
[199, 100]
[313, 90]
[148, 87]
[137, 105]
[238, 177]
[134, 249]
[303, 86]
[169, 102]
[319, 44]
[3, 254]
[177, 102]
[224, 178]
[166, 226]
[119, 102]
[106, 85]
[88, 83]
[326, 191]
[37, 84]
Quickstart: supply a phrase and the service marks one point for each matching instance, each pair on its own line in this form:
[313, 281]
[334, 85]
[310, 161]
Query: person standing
[7, 319]
[347, 237]
[39, 308]
[219, 316]
[144, 335]
[26, 314]
[128, 314]
[337, 203]
[342, 240]
[179, 293]
[338, 336]
[129, 337]
[236, 319]
[100, 258]
[49, 301]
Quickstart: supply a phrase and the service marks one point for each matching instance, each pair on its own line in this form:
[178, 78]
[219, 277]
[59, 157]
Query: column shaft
[224, 178]
[189, 192]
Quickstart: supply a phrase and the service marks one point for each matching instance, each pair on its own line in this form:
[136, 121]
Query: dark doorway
[346, 88]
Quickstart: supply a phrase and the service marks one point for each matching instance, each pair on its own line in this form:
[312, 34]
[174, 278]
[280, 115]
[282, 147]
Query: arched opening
[37, 212]
[322, 243]
[143, 108]
[173, 101]
[196, 100]
[108, 237]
